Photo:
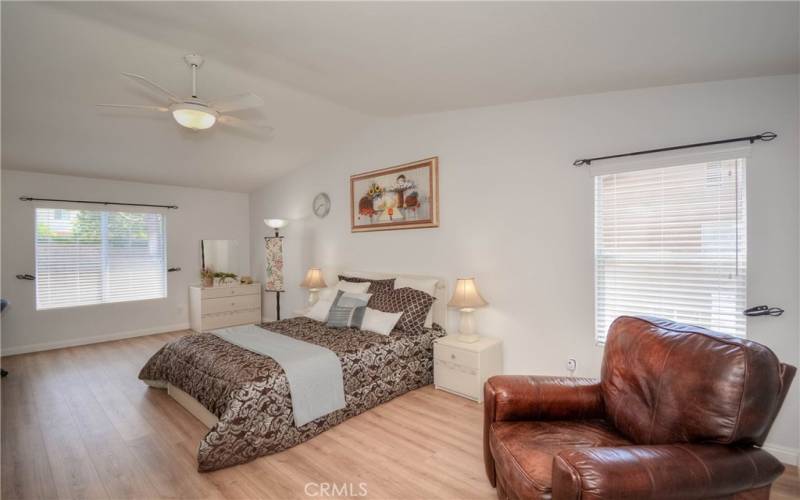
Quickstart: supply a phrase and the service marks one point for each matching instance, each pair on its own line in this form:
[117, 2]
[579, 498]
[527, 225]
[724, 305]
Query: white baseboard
[46, 346]
[788, 456]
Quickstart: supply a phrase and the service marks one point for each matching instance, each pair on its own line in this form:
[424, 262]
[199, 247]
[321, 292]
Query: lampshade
[314, 279]
[194, 116]
[276, 223]
[466, 295]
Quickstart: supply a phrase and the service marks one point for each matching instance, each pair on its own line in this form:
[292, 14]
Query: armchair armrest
[680, 471]
[519, 397]
[542, 398]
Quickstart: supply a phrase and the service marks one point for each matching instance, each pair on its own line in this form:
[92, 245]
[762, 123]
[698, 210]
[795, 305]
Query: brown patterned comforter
[249, 392]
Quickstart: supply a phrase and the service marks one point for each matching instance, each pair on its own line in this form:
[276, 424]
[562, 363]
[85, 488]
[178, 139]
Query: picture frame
[400, 197]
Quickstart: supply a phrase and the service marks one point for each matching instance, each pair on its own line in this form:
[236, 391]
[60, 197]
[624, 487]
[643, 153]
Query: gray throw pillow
[348, 310]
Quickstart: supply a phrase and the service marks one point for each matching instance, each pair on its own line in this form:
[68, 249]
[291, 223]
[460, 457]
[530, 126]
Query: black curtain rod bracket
[766, 137]
[171, 207]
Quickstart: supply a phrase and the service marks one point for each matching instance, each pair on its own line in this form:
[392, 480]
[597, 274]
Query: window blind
[671, 242]
[88, 257]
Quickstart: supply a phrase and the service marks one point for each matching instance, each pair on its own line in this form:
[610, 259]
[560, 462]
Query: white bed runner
[314, 372]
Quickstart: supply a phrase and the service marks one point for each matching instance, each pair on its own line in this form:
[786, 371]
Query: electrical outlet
[572, 364]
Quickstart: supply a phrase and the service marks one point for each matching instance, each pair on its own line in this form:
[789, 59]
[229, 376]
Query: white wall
[516, 214]
[203, 214]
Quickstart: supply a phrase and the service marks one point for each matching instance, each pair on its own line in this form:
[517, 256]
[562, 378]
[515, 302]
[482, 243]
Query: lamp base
[468, 339]
[466, 327]
[313, 296]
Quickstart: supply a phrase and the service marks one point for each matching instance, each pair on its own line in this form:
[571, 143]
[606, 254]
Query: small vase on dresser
[216, 307]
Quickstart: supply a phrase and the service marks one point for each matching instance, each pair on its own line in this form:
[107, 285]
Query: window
[94, 257]
[671, 242]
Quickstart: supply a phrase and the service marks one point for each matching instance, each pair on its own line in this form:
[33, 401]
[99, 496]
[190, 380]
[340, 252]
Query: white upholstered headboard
[439, 306]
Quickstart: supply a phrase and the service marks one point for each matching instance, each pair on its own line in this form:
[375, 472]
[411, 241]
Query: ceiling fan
[195, 113]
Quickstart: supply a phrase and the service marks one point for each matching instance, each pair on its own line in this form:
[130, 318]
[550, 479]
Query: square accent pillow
[319, 311]
[427, 285]
[414, 304]
[379, 322]
[348, 310]
[375, 286]
[351, 287]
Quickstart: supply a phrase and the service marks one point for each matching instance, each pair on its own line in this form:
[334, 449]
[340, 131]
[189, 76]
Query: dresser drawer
[233, 303]
[223, 291]
[455, 355]
[225, 319]
[457, 378]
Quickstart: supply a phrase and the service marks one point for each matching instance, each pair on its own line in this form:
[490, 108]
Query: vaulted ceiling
[325, 69]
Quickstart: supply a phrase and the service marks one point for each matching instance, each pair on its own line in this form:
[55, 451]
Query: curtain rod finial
[767, 136]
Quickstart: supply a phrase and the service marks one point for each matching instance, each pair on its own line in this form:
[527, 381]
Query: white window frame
[105, 294]
[705, 155]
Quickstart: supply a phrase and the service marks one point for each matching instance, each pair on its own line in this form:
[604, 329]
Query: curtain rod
[28, 198]
[766, 136]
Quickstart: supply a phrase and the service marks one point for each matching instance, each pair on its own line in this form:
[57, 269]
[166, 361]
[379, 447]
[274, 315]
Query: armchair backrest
[666, 382]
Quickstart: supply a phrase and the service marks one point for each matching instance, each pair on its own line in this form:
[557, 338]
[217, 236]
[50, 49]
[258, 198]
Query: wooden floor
[76, 423]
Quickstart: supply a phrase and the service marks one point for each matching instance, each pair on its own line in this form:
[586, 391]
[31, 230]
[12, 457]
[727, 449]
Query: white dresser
[221, 306]
[463, 368]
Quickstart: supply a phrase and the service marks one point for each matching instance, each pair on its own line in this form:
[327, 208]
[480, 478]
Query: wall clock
[321, 205]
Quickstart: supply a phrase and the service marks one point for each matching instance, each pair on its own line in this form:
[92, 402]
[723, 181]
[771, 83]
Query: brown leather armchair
[679, 412]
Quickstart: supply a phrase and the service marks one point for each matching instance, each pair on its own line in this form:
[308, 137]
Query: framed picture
[401, 197]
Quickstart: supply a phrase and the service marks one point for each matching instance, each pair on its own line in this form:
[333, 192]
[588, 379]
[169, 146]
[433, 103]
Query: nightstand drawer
[457, 378]
[455, 355]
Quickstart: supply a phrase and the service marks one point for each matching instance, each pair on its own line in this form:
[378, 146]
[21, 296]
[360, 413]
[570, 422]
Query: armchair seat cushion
[524, 451]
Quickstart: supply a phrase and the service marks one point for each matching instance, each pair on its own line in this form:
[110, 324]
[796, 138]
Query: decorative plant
[207, 275]
[224, 277]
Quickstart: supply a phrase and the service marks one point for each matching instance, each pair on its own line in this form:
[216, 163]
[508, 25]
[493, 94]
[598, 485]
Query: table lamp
[466, 298]
[313, 281]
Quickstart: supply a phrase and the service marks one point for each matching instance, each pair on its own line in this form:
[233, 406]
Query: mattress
[250, 395]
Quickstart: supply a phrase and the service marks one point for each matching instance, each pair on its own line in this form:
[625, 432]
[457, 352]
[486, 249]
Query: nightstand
[463, 368]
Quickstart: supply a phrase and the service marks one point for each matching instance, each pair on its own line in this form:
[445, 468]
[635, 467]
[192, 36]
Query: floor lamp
[274, 262]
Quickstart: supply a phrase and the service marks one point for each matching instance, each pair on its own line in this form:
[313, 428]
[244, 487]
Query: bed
[244, 398]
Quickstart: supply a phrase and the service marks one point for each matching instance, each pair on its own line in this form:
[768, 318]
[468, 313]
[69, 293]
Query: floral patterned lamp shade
[274, 262]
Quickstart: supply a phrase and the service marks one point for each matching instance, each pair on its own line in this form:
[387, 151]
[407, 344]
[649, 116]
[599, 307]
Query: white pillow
[379, 321]
[352, 287]
[328, 293]
[320, 310]
[427, 285]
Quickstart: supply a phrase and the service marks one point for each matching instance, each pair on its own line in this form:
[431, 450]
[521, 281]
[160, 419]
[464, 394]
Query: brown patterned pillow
[414, 304]
[375, 286]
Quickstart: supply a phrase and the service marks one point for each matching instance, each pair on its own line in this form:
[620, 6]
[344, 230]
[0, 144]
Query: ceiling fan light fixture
[194, 116]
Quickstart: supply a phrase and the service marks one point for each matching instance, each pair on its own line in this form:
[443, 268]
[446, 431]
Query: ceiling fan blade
[153, 86]
[232, 121]
[237, 102]
[134, 106]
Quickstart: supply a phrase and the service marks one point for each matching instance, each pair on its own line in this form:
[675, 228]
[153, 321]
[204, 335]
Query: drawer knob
[233, 303]
[452, 356]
